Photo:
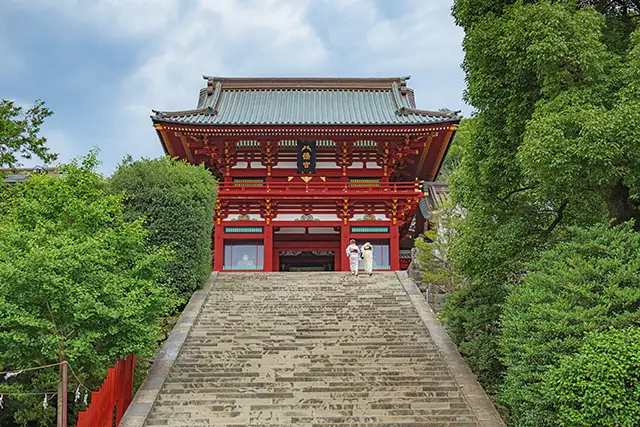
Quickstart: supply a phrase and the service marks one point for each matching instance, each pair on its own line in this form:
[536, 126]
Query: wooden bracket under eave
[187, 150]
[165, 140]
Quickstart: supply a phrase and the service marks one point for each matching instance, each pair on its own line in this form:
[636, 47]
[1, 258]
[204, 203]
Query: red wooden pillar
[344, 242]
[131, 364]
[218, 247]
[394, 247]
[121, 390]
[268, 247]
[276, 259]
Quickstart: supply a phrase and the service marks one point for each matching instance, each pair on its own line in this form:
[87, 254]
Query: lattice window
[248, 182]
[364, 182]
[244, 230]
[369, 230]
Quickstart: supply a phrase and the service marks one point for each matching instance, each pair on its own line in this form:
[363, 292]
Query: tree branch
[511, 193]
[559, 217]
[53, 320]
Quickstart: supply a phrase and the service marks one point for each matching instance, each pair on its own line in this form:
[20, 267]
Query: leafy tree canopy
[456, 149]
[469, 12]
[19, 133]
[78, 282]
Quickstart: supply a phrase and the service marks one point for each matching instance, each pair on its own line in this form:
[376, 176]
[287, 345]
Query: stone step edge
[148, 392]
[471, 390]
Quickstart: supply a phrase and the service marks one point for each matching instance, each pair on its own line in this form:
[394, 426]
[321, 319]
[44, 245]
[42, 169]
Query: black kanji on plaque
[306, 157]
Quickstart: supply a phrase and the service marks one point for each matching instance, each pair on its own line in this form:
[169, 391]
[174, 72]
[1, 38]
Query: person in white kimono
[367, 256]
[353, 253]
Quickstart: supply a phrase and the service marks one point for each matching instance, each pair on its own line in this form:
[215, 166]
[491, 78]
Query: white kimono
[353, 252]
[367, 256]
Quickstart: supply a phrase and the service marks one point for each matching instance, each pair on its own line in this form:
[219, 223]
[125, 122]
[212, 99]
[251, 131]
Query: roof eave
[160, 120]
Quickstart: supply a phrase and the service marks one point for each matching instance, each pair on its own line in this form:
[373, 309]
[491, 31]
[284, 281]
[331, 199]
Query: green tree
[78, 283]
[456, 149]
[554, 144]
[588, 283]
[177, 201]
[434, 248]
[19, 131]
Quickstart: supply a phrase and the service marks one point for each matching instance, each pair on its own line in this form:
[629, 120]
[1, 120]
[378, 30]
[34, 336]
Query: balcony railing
[328, 189]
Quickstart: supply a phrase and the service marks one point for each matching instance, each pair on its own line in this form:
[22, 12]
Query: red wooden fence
[115, 392]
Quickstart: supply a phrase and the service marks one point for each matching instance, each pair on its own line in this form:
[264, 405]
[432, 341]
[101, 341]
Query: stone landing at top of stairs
[304, 349]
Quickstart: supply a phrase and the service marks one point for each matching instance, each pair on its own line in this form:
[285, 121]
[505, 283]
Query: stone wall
[436, 295]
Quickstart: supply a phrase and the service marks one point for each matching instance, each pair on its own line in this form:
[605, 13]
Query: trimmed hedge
[587, 284]
[177, 201]
[600, 385]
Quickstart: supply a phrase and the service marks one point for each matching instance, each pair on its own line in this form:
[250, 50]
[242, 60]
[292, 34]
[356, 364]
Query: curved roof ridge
[266, 83]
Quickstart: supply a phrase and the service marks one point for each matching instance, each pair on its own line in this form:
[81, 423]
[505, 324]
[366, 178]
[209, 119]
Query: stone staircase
[309, 349]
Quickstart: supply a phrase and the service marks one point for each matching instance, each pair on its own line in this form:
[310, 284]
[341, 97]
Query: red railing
[240, 188]
[115, 393]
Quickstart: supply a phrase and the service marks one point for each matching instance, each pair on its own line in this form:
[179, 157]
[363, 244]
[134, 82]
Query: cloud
[410, 37]
[171, 43]
[236, 37]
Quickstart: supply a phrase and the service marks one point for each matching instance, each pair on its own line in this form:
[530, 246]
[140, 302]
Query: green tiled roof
[314, 101]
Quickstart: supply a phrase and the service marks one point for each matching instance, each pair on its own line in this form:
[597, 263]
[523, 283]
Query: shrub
[177, 201]
[490, 255]
[587, 284]
[471, 316]
[600, 385]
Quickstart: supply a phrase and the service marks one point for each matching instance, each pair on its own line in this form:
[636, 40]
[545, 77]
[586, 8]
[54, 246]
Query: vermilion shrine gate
[305, 164]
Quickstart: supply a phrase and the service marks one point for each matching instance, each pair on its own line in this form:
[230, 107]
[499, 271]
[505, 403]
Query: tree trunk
[620, 208]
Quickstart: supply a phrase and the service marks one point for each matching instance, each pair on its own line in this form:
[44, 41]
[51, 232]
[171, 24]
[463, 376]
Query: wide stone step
[353, 379]
[403, 396]
[296, 417]
[206, 400]
[244, 422]
[338, 409]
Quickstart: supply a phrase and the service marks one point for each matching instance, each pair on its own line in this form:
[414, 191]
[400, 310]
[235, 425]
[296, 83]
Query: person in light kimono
[367, 256]
[353, 253]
